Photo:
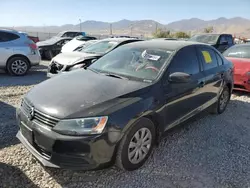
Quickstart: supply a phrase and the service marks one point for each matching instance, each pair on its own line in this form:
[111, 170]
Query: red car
[240, 56]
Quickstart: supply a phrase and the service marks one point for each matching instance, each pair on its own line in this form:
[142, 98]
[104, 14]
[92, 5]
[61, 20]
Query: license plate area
[26, 132]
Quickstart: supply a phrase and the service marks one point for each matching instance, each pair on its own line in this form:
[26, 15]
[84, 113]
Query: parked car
[220, 41]
[70, 34]
[34, 39]
[66, 62]
[115, 110]
[164, 39]
[75, 43]
[50, 48]
[240, 56]
[17, 52]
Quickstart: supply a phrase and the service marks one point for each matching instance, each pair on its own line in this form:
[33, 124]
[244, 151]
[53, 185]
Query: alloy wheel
[19, 67]
[139, 145]
[224, 99]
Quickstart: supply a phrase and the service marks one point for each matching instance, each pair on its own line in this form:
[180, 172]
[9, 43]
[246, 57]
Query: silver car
[18, 53]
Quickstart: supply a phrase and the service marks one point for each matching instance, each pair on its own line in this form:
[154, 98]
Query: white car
[76, 43]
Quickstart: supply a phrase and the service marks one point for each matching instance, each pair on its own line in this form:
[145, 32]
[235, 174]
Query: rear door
[213, 70]
[6, 46]
[183, 99]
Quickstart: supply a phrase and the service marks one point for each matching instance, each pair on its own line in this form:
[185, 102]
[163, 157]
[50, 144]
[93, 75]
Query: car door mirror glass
[179, 77]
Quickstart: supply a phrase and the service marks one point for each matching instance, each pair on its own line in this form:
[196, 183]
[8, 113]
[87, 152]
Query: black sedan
[117, 109]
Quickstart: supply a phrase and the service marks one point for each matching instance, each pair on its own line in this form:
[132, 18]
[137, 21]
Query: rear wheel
[18, 66]
[220, 106]
[136, 145]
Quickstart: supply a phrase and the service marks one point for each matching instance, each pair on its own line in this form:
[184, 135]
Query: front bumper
[241, 83]
[61, 151]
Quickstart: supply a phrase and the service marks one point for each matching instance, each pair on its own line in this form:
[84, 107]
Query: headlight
[82, 126]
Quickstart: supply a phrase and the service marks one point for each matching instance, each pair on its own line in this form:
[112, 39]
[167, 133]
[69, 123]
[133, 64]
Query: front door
[183, 99]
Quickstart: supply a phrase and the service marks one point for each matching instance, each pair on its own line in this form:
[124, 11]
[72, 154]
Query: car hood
[70, 58]
[241, 65]
[78, 91]
[50, 41]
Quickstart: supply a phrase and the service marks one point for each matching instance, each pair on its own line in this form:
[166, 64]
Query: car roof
[12, 31]
[212, 34]
[120, 39]
[164, 44]
[244, 44]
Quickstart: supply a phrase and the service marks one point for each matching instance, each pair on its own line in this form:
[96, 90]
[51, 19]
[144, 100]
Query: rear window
[6, 36]
[238, 52]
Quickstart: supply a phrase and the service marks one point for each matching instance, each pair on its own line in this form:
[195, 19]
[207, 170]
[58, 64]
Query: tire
[122, 156]
[18, 66]
[224, 98]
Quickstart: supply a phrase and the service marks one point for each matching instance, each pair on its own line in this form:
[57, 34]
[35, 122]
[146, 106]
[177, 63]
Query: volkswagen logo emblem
[31, 113]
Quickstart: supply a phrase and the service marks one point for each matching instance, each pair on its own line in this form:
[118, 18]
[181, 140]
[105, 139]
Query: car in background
[240, 56]
[50, 48]
[70, 34]
[220, 41]
[65, 62]
[34, 39]
[164, 39]
[17, 52]
[118, 108]
[76, 42]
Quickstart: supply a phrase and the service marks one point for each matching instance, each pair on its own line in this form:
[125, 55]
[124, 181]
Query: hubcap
[139, 145]
[19, 67]
[224, 99]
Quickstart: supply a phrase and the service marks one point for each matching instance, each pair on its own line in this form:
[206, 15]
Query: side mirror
[179, 77]
[224, 43]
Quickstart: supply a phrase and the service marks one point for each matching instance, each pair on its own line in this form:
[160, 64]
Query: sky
[59, 12]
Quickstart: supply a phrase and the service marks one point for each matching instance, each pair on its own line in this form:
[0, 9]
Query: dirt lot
[210, 151]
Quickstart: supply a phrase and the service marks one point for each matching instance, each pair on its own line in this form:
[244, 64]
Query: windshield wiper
[115, 76]
[95, 71]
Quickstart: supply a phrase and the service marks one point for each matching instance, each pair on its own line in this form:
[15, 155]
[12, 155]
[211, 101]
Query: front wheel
[136, 145]
[220, 106]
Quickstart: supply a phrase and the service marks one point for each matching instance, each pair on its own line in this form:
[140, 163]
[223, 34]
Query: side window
[223, 39]
[230, 39]
[208, 57]
[185, 61]
[6, 37]
[219, 59]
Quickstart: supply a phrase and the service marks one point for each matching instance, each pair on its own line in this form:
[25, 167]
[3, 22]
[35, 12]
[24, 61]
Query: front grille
[37, 116]
[55, 67]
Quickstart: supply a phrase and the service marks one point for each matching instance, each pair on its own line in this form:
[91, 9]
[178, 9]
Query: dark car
[118, 108]
[50, 48]
[82, 57]
[220, 41]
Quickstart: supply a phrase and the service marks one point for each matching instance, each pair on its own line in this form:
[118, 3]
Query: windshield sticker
[207, 56]
[145, 55]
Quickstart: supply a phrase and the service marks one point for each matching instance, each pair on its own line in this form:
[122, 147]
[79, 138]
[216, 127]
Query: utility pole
[156, 27]
[80, 25]
[111, 29]
[131, 30]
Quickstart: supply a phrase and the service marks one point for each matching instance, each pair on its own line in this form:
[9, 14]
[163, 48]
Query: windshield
[100, 47]
[210, 39]
[238, 52]
[131, 62]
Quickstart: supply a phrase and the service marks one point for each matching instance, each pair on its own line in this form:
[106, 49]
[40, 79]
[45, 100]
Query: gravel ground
[209, 151]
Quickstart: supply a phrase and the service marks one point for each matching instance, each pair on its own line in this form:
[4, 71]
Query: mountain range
[237, 25]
